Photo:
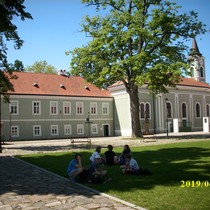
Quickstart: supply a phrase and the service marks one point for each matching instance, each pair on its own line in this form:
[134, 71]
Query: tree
[9, 9]
[42, 67]
[138, 42]
[17, 66]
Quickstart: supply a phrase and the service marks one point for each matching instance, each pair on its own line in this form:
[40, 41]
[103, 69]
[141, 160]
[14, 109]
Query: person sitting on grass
[125, 151]
[96, 171]
[131, 166]
[96, 153]
[110, 156]
[75, 167]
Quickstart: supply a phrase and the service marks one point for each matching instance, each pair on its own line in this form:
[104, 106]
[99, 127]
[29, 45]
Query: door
[106, 130]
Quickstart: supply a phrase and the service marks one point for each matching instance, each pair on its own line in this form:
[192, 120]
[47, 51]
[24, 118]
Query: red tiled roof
[52, 84]
[184, 82]
[193, 83]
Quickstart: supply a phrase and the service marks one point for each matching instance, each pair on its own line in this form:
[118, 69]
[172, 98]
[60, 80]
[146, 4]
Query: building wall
[158, 119]
[100, 124]
[122, 115]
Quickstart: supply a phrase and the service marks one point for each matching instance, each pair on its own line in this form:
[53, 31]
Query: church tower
[197, 63]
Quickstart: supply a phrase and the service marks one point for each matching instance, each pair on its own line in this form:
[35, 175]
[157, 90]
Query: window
[36, 107]
[93, 108]
[94, 129]
[142, 110]
[14, 131]
[201, 72]
[53, 107]
[79, 108]
[14, 107]
[66, 108]
[184, 110]
[169, 110]
[54, 130]
[80, 129]
[37, 130]
[145, 111]
[67, 130]
[197, 110]
[207, 110]
[105, 108]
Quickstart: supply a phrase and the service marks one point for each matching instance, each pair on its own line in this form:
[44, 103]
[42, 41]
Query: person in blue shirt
[75, 167]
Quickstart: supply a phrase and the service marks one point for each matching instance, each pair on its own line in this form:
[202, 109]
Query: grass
[171, 165]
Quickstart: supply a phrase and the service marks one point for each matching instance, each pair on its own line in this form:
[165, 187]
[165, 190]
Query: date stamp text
[194, 183]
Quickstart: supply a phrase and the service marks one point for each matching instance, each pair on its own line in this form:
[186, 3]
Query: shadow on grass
[169, 167]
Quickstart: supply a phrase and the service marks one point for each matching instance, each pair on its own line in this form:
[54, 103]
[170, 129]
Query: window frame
[52, 107]
[16, 107]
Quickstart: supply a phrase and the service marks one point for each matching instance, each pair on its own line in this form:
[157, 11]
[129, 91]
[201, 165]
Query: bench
[75, 141]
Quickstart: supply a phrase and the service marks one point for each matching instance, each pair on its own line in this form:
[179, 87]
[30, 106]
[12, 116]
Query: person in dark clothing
[110, 156]
[126, 151]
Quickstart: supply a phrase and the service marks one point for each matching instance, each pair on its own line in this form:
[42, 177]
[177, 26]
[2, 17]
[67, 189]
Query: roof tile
[52, 84]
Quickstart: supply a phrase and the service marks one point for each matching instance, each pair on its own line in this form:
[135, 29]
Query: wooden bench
[75, 141]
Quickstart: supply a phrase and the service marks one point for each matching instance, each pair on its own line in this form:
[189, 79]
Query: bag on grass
[96, 179]
[144, 172]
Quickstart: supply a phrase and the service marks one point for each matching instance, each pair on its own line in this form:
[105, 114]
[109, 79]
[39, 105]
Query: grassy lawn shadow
[170, 164]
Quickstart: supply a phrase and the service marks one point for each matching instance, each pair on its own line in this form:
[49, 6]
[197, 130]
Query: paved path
[24, 186]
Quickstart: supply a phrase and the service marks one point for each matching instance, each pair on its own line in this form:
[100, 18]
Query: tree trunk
[134, 109]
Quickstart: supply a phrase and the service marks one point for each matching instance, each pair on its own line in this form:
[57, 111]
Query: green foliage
[17, 66]
[136, 42]
[9, 9]
[42, 67]
[170, 164]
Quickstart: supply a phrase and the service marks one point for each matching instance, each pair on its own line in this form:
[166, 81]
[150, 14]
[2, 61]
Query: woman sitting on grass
[126, 151]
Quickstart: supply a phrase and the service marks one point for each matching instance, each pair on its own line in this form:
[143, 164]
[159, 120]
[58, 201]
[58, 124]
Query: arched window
[197, 110]
[207, 110]
[192, 72]
[142, 110]
[184, 110]
[169, 110]
[201, 72]
[145, 111]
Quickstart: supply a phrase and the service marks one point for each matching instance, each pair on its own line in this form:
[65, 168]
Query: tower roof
[195, 49]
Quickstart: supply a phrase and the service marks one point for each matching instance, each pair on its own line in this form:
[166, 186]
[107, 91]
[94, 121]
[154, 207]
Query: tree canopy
[42, 67]
[17, 66]
[137, 42]
[9, 9]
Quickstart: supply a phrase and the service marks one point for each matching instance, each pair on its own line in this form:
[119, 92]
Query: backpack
[144, 172]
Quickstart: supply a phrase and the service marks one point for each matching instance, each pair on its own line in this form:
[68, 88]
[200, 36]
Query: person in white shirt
[131, 166]
[95, 154]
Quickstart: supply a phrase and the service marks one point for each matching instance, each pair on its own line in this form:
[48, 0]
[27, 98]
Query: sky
[56, 28]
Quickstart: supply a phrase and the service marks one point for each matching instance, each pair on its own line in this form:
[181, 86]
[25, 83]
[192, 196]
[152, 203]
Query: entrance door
[106, 130]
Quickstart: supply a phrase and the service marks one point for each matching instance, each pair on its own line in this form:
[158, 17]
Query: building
[48, 106]
[186, 105]
[45, 106]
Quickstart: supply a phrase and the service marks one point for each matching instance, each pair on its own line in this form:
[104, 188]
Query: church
[46, 106]
[182, 109]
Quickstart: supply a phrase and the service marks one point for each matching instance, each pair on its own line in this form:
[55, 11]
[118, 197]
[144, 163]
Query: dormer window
[87, 88]
[35, 84]
[62, 86]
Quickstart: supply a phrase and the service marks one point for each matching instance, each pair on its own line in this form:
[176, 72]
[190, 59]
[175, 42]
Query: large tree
[9, 9]
[42, 67]
[137, 42]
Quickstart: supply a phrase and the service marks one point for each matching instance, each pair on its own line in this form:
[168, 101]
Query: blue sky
[55, 29]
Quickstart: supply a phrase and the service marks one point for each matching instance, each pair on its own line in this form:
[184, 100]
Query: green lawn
[172, 165]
